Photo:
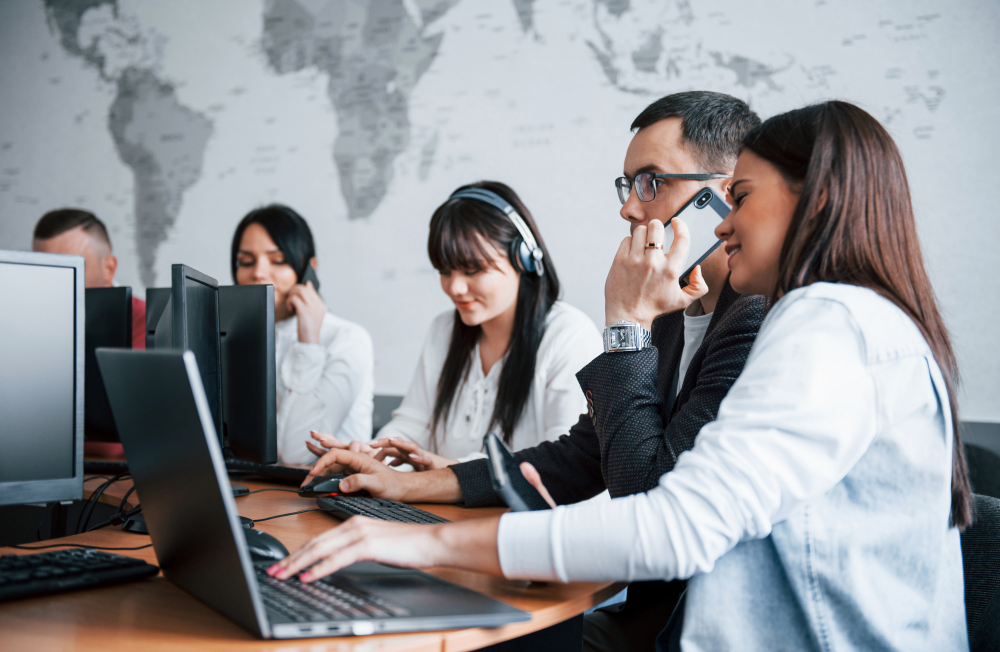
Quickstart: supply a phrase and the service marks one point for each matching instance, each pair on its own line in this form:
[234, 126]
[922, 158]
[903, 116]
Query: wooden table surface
[154, 614]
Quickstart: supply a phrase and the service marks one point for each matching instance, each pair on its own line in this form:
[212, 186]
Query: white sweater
[555, 402]
[326, 387]
[806, 408]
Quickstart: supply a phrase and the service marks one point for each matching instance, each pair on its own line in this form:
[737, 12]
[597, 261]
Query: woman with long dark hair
[505, 358]
[822, 509]
[325, 364]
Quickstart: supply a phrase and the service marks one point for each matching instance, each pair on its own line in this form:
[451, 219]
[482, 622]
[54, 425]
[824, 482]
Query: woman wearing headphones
[325, 365]
[505, 358]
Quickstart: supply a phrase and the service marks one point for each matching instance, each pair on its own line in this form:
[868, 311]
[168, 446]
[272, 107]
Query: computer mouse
[264, 547]
[324, 484]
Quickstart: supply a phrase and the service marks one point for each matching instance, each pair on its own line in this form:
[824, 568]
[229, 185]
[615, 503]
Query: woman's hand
[643, 283]
[308, 306]
[406, 452]
[471, 545]
[535, 480]
[332, 443]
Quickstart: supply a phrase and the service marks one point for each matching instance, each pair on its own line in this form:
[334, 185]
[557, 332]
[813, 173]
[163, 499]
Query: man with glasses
[647, 404]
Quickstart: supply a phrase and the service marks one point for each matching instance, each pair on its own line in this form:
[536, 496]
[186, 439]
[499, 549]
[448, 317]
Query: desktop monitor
[189, 320]
[246, 314]
[41, 377]
[247, 369]
[109, 325]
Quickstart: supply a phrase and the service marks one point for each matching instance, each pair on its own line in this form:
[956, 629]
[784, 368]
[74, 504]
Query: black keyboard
[22, 576]
[282, 474]
[381, 508]
[325, 599]
[103, 467]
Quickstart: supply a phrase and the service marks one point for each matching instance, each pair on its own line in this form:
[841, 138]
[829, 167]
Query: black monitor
[246, 333]
[41, 377]
[189, 320]
[248, 372]
[109, 325]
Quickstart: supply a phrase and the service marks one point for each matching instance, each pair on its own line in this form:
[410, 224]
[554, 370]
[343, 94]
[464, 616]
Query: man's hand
[406, 452]
[309, 309]
[365, 473]
[643, 283]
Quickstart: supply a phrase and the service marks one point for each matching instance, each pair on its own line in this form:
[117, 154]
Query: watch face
[621, 337]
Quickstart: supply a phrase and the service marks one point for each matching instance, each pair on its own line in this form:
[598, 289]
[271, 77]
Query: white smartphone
[702, 214]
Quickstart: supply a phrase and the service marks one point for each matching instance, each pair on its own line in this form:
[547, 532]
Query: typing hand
[406, 452]
[535, 480]
[364, 472]
[332, 443]
[644, 284]
[309, 309]
[471, 545]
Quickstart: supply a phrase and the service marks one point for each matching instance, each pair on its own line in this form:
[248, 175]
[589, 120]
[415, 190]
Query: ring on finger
[654, 245]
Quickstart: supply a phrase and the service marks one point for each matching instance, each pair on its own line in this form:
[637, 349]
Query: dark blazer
[640, 429]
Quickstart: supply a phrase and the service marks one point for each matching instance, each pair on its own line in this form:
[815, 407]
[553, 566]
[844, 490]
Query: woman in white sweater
[505, 359]
[821, 509]
[325, 364]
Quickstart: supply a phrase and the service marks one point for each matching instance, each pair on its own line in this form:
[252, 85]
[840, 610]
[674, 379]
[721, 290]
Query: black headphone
[524, 252]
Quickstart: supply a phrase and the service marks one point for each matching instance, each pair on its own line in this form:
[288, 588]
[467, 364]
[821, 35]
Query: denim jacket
[812, 514]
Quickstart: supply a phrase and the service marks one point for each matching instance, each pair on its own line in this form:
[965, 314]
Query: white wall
[531, 106]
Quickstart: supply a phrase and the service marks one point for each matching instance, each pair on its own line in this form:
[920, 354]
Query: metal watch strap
[626, 336]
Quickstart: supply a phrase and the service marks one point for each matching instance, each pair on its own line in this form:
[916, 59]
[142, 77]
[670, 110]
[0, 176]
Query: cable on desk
[259, 520]
[76, 545]
[257, 491]
[118, 518]
[91, 504]
[121, 505]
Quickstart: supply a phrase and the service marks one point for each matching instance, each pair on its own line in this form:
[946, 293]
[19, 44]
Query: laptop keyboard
[325, 599]
[381, 508]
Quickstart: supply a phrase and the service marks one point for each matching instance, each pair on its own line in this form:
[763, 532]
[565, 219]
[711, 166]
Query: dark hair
[287, 228]
[458, 228]
[713, 124]
[854, 224]
[62, 220]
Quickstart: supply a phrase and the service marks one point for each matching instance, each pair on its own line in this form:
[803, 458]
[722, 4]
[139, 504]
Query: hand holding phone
[307, 306]
[310, 275]
[507, 479]
[702, 214]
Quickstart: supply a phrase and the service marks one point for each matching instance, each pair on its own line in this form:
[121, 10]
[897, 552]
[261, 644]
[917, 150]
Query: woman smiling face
[755, 229]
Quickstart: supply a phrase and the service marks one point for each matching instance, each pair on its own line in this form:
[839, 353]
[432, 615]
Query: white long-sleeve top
[327, 387]
[833, 366]
[555, 402]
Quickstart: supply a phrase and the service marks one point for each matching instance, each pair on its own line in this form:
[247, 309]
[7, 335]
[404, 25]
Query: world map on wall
[374, 54]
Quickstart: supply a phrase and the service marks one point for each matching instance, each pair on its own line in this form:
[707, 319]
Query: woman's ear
[314, 262]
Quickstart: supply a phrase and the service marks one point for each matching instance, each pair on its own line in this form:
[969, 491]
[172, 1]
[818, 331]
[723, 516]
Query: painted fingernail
[306, 576]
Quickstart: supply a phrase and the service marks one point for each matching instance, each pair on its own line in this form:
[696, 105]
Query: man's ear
[109, 266]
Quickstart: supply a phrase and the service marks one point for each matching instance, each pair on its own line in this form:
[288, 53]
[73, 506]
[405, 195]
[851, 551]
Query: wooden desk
[154, 614]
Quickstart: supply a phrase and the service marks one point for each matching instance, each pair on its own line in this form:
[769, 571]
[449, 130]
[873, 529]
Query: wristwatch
[625, 336]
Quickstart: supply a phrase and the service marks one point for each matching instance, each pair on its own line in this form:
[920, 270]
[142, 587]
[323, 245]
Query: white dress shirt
[555, 402]
[815, 392]
[327, 387]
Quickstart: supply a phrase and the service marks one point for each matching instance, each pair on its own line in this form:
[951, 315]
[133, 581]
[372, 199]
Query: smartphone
[310, 275]
[702, 213]
[507, 479]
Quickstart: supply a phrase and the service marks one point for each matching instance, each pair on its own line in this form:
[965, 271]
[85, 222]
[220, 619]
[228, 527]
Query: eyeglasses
[645, 183]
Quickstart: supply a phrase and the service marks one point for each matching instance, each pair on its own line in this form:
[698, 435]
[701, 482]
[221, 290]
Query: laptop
[166, 427]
